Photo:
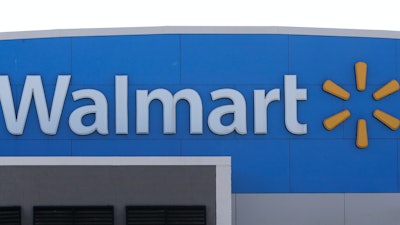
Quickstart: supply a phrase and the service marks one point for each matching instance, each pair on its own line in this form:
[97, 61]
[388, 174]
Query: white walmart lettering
[49, 122]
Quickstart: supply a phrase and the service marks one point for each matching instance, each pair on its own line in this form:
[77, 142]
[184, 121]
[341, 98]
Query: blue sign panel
[258, 98]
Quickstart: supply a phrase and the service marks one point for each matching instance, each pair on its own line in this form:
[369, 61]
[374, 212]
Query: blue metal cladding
[278, 162]
[338, 166]
[234, 59]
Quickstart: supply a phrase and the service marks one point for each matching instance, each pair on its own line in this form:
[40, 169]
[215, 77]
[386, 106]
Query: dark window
[79, 215]
[10, 215]
[166, 215]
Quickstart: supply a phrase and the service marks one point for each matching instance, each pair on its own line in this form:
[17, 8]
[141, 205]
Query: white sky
[22, 15]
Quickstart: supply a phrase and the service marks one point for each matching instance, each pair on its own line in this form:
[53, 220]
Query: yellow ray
[362, 135]
[389, 88]
[335, 120]
[389, 120]
[361, 75]
[334, 89]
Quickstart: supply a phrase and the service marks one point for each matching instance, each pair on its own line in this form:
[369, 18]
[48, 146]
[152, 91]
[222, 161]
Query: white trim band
[114, 161]
[199, 30]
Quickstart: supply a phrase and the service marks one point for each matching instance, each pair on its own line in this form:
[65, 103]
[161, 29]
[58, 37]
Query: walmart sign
[49, 119]
[296, 113]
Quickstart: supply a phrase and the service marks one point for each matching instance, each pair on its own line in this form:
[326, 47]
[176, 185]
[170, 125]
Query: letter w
[33, 87]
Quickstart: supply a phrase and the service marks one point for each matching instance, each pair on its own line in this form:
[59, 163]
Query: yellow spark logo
[361, 80]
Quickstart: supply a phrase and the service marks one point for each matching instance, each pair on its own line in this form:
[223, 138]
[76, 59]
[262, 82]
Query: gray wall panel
[290, 209]
[315, 209]
[234, 213]
[119, 186]
[373, 209]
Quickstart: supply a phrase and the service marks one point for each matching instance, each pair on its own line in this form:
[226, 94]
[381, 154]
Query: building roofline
[198, 30]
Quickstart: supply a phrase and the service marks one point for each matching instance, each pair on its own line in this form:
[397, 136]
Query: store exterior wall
[117, 182]
[313, 174]
[118, 186]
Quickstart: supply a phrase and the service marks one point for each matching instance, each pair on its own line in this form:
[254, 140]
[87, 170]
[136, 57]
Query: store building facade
[245, 125]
